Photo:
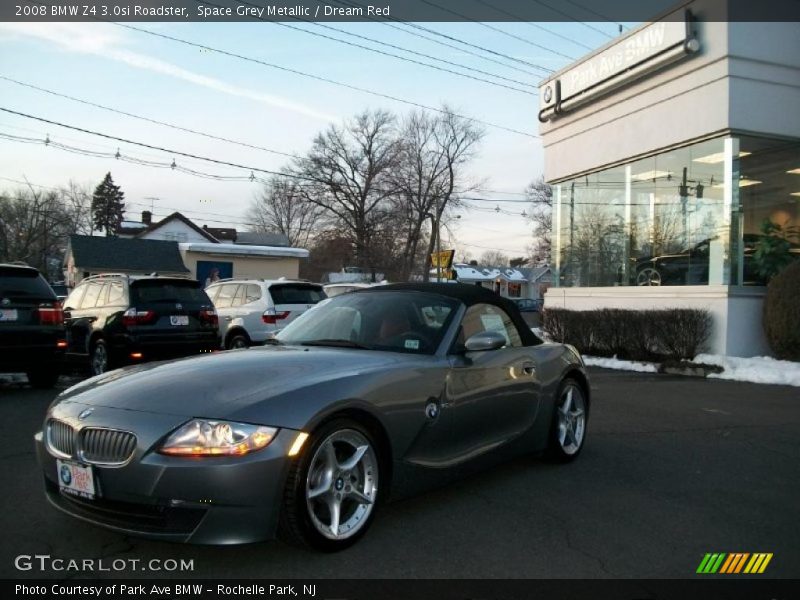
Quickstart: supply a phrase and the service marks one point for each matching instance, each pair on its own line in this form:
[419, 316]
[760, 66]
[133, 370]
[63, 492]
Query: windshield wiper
[335, 343]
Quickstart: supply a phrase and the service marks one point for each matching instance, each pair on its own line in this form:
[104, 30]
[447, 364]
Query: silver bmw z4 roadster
[372, 395]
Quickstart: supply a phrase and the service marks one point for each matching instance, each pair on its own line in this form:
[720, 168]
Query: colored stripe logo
[734, 562]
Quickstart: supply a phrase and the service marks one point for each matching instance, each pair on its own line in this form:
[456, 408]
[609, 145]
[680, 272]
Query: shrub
[675, 333]
[782, 313]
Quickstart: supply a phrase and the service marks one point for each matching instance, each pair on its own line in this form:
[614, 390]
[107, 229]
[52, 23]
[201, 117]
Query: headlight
[201, 437]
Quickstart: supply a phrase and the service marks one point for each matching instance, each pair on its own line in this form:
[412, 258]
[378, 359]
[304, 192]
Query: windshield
[407, 321]
[296, 293]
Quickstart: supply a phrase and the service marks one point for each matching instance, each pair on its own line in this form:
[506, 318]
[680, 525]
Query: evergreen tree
[108, 206]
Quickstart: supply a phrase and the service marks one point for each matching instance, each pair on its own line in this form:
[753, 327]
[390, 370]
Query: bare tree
[540, 216]
[282, 207]
[347, 170]
[493, 258]
[430, 175]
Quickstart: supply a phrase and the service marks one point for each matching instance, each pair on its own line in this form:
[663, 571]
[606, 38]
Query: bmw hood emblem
[5, 301]
[85, 413]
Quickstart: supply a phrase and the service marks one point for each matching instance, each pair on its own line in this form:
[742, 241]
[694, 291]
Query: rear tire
[99, 358]
[237, 341]
[43, 379]
[332, 488]
[570, 417]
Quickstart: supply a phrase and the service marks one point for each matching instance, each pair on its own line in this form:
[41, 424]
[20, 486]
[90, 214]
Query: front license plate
[75, 479]
[179, 320]
[8, 314]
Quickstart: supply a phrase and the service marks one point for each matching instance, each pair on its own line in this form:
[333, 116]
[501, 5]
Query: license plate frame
[76, 479]
[179, 320]
[9, 315]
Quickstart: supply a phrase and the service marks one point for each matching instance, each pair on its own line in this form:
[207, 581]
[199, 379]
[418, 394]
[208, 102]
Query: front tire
[237, 341]
[332, 488]
[570, 416]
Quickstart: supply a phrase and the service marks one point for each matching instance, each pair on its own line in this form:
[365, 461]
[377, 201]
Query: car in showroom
[372, 395]
[691, 266]
[113, 320]
[253, 310]
[32, 336]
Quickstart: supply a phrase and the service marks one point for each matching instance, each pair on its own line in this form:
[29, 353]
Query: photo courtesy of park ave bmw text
[407, 299]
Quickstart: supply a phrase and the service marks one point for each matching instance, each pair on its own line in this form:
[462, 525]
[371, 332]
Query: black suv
[113, 320]
[32, 336]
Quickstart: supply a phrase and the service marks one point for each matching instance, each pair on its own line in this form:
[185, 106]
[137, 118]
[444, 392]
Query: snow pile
[759, 369]
[620, 365]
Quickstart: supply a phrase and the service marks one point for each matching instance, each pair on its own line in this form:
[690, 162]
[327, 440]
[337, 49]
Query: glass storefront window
[663, 220]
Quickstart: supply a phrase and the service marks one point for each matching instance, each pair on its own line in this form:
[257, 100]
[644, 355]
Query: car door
[493, 396]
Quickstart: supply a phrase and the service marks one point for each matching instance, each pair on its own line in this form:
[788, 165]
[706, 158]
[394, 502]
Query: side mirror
[486, 340]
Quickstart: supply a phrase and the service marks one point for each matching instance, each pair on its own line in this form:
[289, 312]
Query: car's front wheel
[332, 488]
[648, 276]
[99, 361]
[568, 430]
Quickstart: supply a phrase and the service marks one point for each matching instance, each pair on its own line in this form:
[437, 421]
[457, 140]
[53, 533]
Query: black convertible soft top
[467, 294]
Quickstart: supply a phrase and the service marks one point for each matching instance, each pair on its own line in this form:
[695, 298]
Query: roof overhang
[243, 251]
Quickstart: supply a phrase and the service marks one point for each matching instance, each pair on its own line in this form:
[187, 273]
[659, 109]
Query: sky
[240, 100]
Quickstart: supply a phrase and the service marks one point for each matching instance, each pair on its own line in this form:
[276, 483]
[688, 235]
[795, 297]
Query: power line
[595, 13]
[536, 26]
[410, 60]
[176, 167]
[498, 30]
[323, 79]
[571, 18]
[382, 52]
[441, 43]
[147, 119]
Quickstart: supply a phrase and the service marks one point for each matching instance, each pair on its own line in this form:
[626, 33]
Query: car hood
[226, 383]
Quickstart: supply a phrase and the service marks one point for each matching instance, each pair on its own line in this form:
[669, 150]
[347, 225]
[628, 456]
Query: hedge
[782, 313]
[655, 335]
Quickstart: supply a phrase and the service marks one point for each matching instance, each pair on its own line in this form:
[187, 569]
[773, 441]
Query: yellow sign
[442, 260]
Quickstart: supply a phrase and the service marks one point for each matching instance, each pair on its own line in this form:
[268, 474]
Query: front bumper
[216, 500]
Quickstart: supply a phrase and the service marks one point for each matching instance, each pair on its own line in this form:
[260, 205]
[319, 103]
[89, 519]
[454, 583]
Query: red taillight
[61, 344]
[137, 317]
[51, 315]
[209, 316]
[270, 317]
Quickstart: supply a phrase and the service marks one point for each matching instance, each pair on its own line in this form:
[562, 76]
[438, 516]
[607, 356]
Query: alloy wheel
[571, 419]
[648, 276]
[342, 484]
[99, 359]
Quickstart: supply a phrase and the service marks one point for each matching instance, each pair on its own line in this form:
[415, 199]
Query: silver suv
[250, 310]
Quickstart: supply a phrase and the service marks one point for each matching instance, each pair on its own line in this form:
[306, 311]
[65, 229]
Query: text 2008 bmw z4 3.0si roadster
[373, 394]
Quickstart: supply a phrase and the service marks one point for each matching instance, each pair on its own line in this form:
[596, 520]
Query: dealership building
[667, 150]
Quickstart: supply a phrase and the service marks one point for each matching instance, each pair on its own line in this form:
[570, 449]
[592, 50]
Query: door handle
[529, 368]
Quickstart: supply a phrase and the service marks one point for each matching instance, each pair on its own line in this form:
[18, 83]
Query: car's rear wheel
[236, 341]
[568, 430]
[332, 488]
[648, 276]
[99, 360]
[43, 379]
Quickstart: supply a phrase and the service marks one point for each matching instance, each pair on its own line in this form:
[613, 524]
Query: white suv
[250, 310]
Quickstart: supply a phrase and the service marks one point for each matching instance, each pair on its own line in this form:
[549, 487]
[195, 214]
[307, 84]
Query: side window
[212, 292]
[116, 294]
[487, 317]
[73, 301]
[101, 298]
[238, 299]
[92, 294]
[225, 296]
[252, 293]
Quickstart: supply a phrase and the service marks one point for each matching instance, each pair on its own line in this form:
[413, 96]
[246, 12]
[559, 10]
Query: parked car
[116, 319]
[32, 337]
[370, 395]
[691, 266]
[252, 310]
[61, 290]
[528, 304]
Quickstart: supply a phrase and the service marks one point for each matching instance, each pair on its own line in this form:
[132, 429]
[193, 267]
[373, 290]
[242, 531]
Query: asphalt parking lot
[673, 468]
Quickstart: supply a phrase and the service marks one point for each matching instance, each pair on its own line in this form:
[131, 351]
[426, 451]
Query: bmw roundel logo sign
[548, 93]
[66, 475]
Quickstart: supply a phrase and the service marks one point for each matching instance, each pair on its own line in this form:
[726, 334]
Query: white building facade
[668, 149]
